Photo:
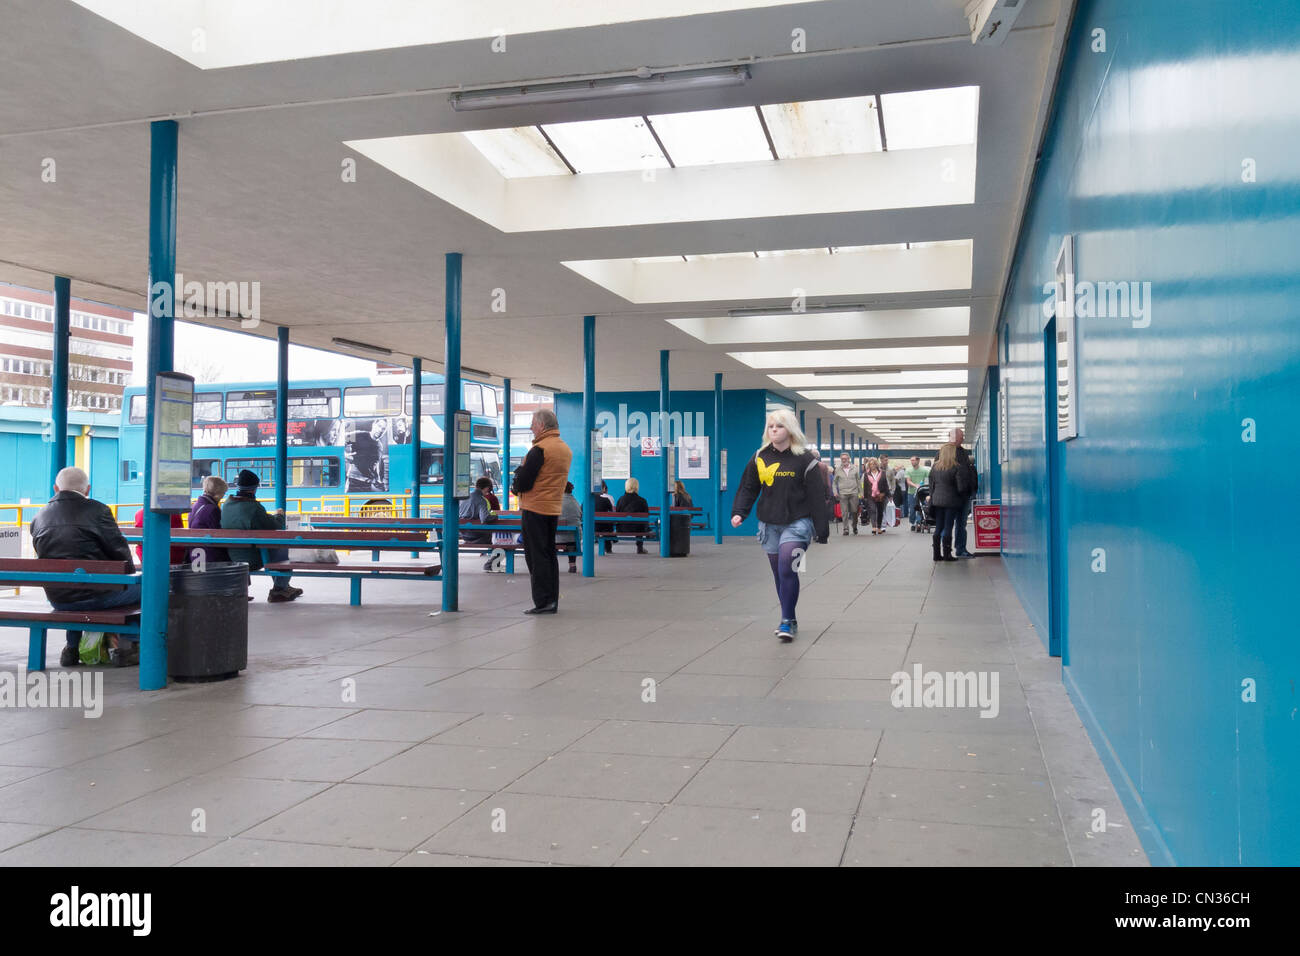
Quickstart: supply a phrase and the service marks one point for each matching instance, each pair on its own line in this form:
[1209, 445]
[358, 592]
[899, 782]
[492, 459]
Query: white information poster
[618, 459]
[173, 442]
[671, 452]
[649, 447]
[693, 461]
[597, 446]
[722, 468]
[461, 467]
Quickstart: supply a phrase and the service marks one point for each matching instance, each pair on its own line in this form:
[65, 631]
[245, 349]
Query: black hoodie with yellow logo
[791, 488]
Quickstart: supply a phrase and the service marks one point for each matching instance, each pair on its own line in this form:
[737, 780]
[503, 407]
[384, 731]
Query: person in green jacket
[244, 512]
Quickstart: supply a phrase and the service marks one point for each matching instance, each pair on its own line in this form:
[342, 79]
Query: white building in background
[99, 359]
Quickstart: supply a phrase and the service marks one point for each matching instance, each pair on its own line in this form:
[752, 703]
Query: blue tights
[787, 579]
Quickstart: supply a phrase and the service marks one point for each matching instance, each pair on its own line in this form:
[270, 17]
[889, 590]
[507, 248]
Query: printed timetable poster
[173, 442]
[462, 468]
[617, 460]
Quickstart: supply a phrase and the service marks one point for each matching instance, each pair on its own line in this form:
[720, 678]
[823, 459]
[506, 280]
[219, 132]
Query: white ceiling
[262, 198]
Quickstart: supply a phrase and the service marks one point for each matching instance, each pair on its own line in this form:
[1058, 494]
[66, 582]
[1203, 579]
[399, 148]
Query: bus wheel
[377, 508]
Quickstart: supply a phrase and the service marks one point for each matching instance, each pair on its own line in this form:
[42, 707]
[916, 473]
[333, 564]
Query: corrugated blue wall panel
[1173, 160]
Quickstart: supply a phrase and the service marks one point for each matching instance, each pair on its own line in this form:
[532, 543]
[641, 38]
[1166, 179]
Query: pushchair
[922, 507]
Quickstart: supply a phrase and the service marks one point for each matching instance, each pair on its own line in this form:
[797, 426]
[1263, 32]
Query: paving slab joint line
[853, 823]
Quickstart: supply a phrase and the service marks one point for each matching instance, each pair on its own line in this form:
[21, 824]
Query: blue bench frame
[291, 540]
[37, 627]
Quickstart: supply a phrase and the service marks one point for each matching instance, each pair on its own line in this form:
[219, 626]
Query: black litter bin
[679, 536]
[207, 622]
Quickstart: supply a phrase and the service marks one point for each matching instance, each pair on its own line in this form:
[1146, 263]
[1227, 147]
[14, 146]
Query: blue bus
[349, 440]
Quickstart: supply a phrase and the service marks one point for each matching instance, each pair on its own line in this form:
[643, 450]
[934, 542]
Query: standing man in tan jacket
[847, 483]
[539, 482]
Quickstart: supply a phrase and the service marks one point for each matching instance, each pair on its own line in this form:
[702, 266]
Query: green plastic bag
[94, 648]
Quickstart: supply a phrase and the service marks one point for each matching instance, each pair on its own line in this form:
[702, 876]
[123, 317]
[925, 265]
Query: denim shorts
[772, 536]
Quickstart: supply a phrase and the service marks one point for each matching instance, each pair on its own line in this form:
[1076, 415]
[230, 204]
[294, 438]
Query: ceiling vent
[990, 20]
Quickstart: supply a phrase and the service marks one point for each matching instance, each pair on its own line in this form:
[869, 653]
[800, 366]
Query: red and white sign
[988, 528]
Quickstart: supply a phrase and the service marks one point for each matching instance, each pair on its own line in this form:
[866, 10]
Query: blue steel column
[818, 446]
[666, 500]
[505, 449]
[832, 454]
[282, 418]
[716, 446]
[451, 400]
[59, 377]
[802, 426]
[417, 380]
[586, 478]
[156, 577]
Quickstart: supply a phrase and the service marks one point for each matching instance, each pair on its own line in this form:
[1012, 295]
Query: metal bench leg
[510, 561]
[356, 591]
[36, 649]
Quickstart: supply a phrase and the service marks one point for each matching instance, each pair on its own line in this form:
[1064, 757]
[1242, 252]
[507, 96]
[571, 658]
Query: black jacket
[74, 526]
[964, 460]
[950, 488]
[632, 503]
[792, 486]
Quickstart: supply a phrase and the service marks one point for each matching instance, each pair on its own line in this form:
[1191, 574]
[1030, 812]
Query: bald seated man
[75, 525]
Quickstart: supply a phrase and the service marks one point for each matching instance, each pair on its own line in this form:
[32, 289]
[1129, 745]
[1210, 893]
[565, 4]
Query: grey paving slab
[74, 847]
[313, 759]
[718, 836]
[244, 852]
[369, 816]
[885, 842]
[763, 785]
[453, 767]
[948, 796]
[64, 796]
[262, 720]
[974, 751]
[188, 751]
[210, 805]
[425, 858]
[739, 666]
[498, 677]
[633, 777]
[655, 738]
[853, 748]
[10, 775]
[12, 834]
[546, 829]
[62, 747]
[820, 688]
[408, 725]
[715, 685]
[547, 734]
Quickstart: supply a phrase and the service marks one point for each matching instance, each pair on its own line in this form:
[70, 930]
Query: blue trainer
[785, 631]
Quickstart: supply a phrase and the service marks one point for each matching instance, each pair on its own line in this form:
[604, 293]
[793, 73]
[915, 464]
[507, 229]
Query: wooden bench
[374, 541]
[83, 575]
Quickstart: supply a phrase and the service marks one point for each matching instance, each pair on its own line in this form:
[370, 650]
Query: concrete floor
[487, 737]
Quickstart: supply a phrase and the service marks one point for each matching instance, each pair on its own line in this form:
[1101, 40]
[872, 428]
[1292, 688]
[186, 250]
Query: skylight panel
[884, 395]
[823, 127]
[711, 256]
[708, 137]
[519, 152]
[924, 118]
[608, 145]
[919, 378]
[866, 359]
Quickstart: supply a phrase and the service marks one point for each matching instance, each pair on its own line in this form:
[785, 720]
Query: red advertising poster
[988, 527]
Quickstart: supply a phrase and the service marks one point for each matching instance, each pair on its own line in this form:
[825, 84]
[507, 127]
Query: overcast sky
[215, 355]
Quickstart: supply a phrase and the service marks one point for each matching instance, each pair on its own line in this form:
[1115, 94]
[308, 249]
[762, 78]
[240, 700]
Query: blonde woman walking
[785, 480]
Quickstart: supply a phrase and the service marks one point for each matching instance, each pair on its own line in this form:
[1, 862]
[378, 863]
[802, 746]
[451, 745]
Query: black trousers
[539, 553]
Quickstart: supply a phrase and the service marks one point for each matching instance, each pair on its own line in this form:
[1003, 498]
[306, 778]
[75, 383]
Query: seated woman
[570, 514]
[635, 504]
[206, 513]
[604, 501]
[680, 498]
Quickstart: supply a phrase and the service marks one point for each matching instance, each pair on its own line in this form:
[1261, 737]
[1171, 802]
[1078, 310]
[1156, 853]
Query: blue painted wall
[1148, 162]
[743, 414]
